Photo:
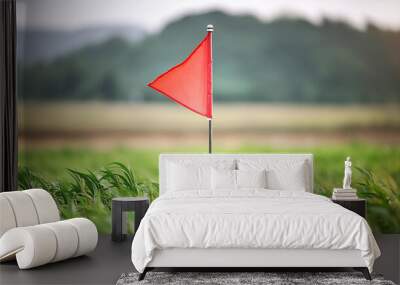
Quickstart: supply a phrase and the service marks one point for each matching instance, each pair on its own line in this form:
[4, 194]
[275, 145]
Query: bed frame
[246, 259]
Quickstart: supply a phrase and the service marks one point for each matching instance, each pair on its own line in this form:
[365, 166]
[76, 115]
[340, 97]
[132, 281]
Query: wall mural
[90, 129]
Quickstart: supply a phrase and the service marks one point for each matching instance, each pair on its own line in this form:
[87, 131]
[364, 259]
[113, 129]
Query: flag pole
[210, 29]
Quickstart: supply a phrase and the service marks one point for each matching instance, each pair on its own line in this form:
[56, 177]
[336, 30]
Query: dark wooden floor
[103, 266]
[389, 262]
[110, 260]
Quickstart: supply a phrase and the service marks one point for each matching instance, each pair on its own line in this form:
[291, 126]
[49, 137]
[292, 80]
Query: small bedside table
[120, 206]
[358, 206]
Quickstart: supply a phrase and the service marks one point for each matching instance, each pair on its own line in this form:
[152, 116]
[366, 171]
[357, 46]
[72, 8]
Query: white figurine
[347, 174]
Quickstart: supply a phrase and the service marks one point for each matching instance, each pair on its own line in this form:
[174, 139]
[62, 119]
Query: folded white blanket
[250, 219]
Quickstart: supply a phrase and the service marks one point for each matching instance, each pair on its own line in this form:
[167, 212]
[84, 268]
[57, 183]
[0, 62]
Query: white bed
[280, 225]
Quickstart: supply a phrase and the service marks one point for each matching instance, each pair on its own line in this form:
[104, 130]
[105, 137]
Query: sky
[153, 15]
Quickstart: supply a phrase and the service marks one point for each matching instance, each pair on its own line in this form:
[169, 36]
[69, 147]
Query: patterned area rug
[236, 278]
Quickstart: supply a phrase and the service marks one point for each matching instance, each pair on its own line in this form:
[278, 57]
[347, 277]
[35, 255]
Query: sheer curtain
[8, 119]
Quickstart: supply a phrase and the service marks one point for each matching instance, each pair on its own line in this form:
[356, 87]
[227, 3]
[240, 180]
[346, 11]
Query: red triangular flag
[189, 83]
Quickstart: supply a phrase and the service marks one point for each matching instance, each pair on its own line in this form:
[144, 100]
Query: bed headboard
[165, 158]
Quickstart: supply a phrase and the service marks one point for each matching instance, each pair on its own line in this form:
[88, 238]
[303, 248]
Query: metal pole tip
[210, 28]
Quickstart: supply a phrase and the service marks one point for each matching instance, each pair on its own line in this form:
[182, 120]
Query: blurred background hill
[284, 60]
[43, 45]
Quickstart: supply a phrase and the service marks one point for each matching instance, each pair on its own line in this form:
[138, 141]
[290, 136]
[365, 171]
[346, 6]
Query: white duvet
[250, 219]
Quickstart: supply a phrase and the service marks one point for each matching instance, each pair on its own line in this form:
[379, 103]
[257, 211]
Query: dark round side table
[120, 206]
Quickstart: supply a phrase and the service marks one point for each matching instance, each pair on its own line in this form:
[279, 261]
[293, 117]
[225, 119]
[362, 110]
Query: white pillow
[223, 179]
[293, 179]
[281, 174]
[251, 178]
[188, 177]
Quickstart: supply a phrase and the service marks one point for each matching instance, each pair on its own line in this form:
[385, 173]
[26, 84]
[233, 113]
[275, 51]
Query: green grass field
[52, 163]
[89, 136]
[383, 161]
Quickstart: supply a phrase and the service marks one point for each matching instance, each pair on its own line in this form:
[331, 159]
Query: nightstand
[120, 206]
[358, 206]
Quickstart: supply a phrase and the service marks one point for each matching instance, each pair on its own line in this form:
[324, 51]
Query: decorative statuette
[347, 174]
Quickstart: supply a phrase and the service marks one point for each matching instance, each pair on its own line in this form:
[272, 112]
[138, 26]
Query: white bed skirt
[190, 257]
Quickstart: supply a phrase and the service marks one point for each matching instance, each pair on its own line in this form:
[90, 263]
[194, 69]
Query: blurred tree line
[286, 60]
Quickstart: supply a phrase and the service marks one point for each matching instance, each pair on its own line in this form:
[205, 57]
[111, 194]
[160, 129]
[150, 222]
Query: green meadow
[70, 148]
[376, 175]
[52, 163]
